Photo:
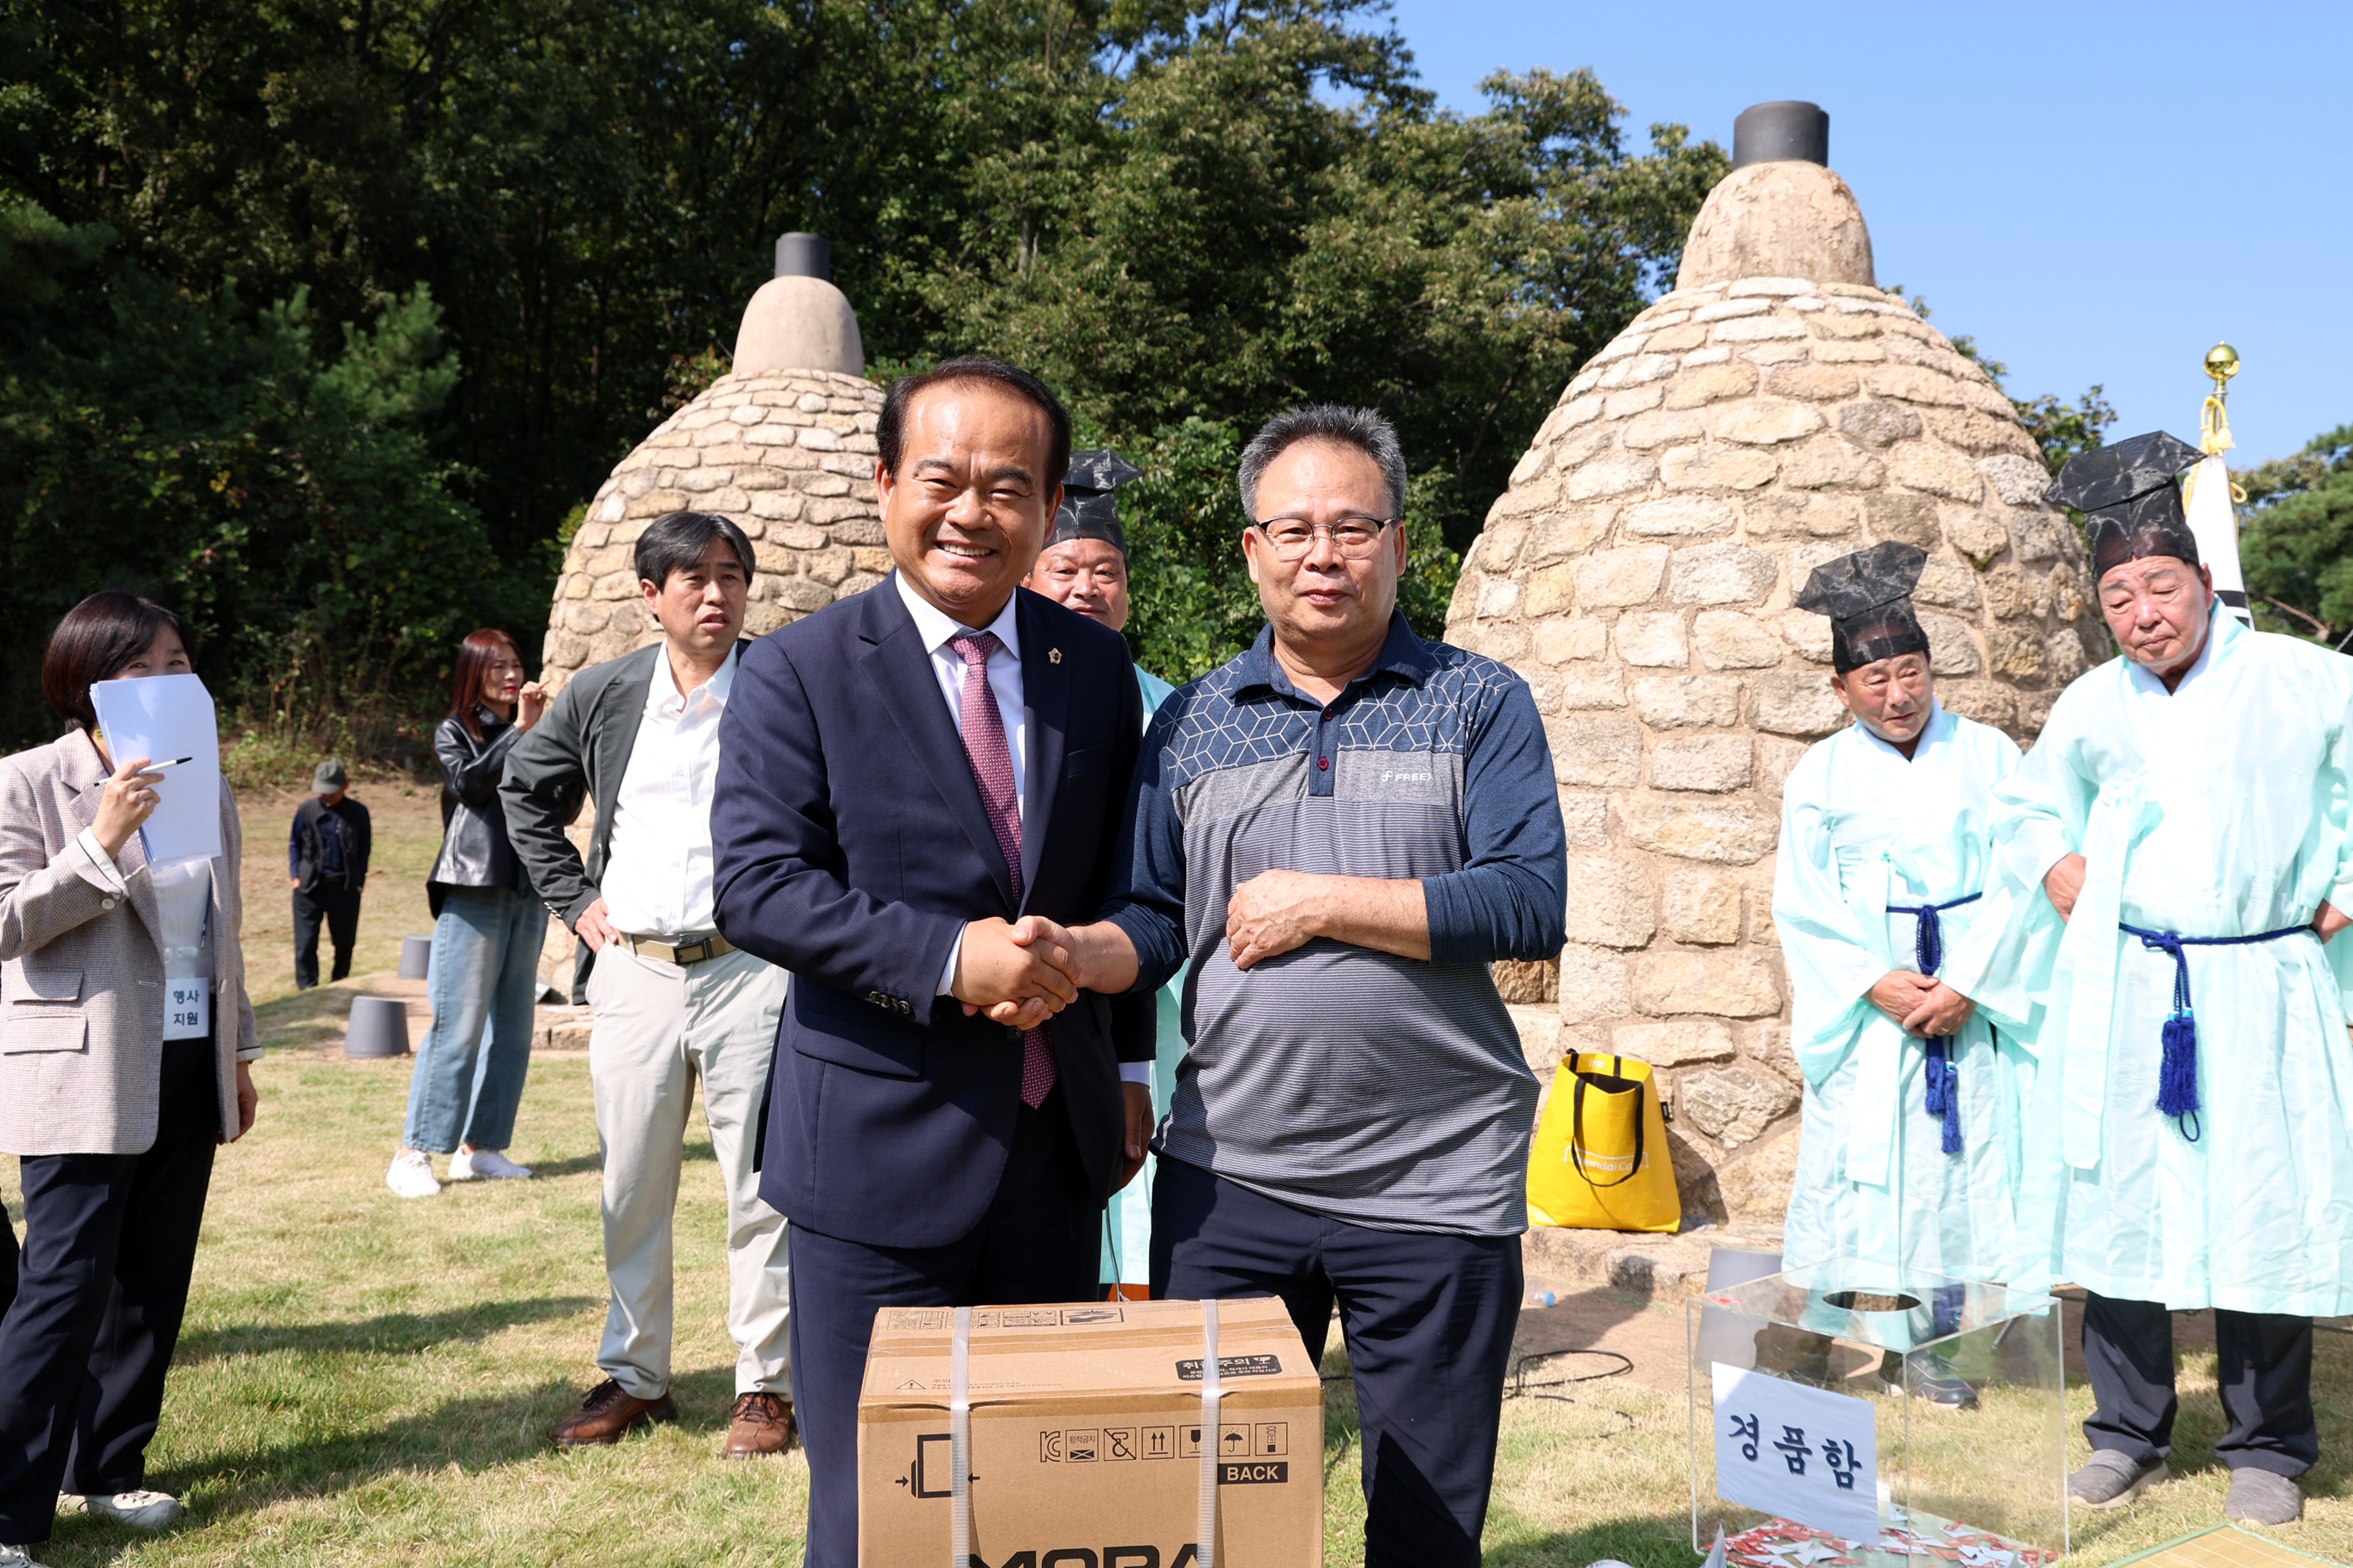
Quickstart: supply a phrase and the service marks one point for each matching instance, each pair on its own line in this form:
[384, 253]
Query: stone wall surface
[787, 456]
[1639, 572]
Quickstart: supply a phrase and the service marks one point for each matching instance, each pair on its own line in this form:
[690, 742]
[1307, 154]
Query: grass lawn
[367, 1381]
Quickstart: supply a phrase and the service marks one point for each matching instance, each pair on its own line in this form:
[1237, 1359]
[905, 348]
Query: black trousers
[1040, 1241]
[1429, 1321]
[110, 1242]
[7, 1262]
[2262, 1362]
[339, 907]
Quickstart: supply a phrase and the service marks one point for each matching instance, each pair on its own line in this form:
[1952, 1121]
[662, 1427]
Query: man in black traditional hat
[1895, 948]
[2183, 811]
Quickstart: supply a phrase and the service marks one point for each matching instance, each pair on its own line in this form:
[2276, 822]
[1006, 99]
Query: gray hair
[1359, 428]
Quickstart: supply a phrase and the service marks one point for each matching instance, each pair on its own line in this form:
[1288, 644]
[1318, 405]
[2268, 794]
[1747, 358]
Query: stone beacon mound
[783, 446]
[1775, 410]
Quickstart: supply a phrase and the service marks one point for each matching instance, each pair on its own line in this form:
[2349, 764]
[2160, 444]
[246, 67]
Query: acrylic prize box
[1854, 1415]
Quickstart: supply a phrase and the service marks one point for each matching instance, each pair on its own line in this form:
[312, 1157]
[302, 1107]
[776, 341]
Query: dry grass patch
[366, 1381]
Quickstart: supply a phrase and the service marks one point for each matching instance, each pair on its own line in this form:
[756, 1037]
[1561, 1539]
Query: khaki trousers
[659, 1029]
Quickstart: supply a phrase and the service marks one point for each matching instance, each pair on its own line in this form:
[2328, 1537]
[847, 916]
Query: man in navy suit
[911, 783]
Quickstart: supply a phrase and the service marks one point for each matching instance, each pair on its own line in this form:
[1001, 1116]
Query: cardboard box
[1086, 1438]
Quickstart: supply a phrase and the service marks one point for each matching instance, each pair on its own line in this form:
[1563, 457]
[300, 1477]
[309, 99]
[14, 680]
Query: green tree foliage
[1194, 605]
[2064, 429]
[1177, 210]
[2295, 537]
[1227, 243]
[284, 498]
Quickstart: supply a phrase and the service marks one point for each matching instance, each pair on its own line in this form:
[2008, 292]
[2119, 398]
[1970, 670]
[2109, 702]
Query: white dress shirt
[184, 902]
[939, 630]
[656, 880]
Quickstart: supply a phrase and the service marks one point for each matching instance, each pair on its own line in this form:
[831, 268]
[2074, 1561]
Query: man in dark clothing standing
[327, 861]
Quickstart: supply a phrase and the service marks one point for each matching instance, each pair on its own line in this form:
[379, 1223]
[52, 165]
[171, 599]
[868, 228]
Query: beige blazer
[81, 967]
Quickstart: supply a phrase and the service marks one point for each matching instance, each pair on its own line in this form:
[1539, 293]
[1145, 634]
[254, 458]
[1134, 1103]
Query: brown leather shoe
[607, 1416]
[762, 1425]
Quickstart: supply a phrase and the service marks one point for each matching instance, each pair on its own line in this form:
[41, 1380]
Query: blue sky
[2097, 191]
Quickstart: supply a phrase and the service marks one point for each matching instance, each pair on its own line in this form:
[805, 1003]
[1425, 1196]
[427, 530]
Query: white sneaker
[139, 1509]
[485, 1166]
[411, 1177]
[16, 1557]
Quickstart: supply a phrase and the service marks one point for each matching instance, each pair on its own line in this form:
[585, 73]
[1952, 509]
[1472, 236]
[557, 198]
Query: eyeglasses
[1292, 537]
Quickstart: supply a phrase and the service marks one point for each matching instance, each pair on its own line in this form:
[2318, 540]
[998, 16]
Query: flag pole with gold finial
[2207, 492]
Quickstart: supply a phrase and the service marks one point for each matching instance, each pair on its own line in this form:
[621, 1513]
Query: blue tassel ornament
[1941, 1077]
[1942, 1084]
[2176, 1079]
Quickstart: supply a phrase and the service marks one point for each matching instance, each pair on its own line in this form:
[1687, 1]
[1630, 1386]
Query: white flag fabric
[2216, 528]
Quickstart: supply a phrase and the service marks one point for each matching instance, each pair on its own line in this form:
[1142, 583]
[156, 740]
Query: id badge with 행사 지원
[188, 1008]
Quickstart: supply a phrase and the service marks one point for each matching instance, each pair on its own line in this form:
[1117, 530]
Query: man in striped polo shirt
[1333, 836]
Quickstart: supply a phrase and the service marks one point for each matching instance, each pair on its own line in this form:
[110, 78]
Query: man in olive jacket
[674, 1001]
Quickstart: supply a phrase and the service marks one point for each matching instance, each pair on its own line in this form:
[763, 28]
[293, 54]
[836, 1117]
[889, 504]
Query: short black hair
[680, 540]
[95, 640]
[1363, 428]
[889, 435]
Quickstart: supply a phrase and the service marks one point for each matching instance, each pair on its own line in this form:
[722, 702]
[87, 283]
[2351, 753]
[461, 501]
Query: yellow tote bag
[1601, 1160]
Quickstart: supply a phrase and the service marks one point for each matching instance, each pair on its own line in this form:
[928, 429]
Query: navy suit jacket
[849, 846]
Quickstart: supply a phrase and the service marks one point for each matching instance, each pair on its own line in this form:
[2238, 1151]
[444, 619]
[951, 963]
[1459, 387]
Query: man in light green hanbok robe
[1869, 837]
[1084, 566]
[2190, 1142]
[1906, 1009]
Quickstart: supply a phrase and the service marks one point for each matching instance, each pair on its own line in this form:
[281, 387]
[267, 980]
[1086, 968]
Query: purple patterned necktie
[992, 766]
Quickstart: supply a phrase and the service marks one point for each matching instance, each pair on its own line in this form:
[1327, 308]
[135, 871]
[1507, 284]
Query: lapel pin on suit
[1053, 655]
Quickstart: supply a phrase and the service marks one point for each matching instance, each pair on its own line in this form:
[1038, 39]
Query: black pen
[159, 767]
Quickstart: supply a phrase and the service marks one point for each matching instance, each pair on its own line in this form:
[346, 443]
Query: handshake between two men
[1022, 973]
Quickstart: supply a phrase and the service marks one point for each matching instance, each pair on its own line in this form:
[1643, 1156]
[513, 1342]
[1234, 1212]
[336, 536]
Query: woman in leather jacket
[488, 930]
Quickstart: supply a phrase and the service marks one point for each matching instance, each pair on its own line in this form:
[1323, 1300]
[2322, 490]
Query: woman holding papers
[487, 929]
[125, 1036]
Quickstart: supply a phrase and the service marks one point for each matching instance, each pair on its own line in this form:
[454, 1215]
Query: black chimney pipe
[1787, 132]
[804, 255]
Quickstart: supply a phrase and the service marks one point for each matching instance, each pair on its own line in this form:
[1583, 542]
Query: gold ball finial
[2221, 363]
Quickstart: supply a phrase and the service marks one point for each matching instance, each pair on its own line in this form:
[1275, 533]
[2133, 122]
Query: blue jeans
[470, 1072]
